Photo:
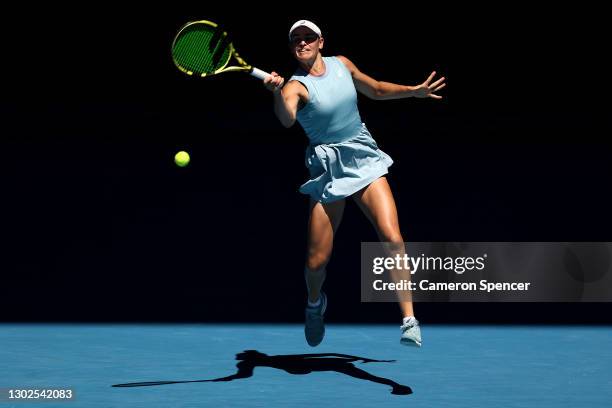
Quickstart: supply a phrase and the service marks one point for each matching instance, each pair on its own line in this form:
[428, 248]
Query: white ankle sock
[315, 304]
[409, 319]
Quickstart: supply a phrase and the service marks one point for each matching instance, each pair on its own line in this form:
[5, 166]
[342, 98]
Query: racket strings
[220, 51]
[202, 51]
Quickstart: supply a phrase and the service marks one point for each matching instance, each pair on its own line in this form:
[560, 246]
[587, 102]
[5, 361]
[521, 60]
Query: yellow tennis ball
[181, 158]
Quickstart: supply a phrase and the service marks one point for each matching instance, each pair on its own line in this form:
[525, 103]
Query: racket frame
[243, 66]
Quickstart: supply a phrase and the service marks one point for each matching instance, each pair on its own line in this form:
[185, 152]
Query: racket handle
[258, 73]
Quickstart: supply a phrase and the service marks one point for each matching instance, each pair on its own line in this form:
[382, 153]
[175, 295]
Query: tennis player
[343, 159]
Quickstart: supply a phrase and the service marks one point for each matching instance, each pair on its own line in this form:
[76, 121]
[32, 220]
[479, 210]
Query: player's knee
[316, 262]
[392, 236]
[317, 257]
[393, 242]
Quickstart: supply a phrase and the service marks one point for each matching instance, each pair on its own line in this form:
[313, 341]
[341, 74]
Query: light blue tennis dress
[342, 156]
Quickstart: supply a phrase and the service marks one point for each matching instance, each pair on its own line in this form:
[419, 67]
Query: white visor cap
[305, 23]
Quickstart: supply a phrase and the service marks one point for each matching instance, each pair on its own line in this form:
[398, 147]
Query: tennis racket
[202, 48]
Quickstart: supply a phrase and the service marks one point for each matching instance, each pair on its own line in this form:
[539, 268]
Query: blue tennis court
[458, 366]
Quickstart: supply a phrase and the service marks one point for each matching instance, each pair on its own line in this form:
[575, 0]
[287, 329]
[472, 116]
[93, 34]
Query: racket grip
[258, 73]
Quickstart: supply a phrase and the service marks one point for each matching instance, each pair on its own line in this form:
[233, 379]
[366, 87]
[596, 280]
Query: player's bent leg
[324, 221]
[377, 203]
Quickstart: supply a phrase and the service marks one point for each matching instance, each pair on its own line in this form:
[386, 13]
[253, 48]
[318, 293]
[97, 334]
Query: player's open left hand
[427, 89]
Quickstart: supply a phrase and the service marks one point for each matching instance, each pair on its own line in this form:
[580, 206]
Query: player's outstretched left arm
[374, 89]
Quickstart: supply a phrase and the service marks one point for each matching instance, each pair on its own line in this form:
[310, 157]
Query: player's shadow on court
[296, 364]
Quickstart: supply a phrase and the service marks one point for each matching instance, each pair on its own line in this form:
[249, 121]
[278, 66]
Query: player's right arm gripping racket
[202, 48]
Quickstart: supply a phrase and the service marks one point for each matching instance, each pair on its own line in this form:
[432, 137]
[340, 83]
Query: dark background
[98, 224]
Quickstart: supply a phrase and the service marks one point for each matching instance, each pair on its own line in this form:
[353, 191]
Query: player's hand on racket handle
[274, 82]
[427, 89]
